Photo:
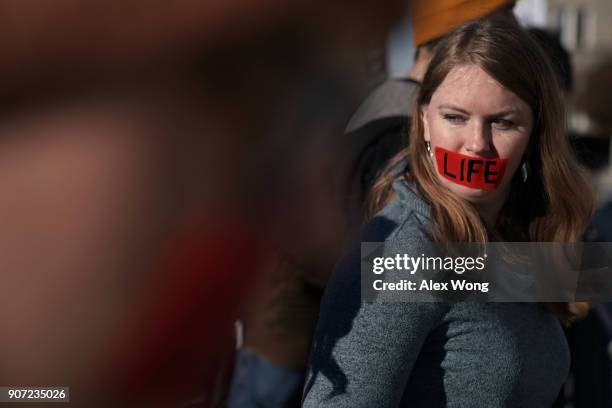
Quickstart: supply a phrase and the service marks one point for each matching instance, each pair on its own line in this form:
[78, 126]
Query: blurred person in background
[136, 206]
[590, 338]
[594, 142]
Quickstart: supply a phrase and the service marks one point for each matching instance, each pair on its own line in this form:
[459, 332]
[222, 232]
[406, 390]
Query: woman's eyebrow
[504, 112]
[453, 107]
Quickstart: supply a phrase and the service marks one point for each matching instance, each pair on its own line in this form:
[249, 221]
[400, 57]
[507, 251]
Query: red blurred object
[184, 337]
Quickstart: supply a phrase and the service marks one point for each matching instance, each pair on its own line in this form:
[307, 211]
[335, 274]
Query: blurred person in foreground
[135, 214]
[489, 93]
[119, 271]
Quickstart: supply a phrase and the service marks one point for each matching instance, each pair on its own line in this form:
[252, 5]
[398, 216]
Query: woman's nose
[478, 139]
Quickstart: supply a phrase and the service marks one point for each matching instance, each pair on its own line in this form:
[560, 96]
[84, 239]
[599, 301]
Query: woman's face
[472, 114]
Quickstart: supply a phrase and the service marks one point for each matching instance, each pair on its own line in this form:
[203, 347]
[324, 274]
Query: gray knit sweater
[428, 354]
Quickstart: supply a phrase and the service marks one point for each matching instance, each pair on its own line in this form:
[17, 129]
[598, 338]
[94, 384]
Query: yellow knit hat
[432, 19]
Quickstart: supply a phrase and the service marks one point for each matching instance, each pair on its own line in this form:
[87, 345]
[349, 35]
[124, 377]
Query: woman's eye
[503, 124]
[453, 118]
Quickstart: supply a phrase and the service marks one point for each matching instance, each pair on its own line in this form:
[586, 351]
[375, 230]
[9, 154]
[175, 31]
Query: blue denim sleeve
[260, 383]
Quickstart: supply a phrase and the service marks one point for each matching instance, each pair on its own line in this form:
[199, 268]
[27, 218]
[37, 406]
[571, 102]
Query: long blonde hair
[556, 202]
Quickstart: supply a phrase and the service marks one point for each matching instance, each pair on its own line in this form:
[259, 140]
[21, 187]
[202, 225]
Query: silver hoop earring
[428, 146]
[525, 171]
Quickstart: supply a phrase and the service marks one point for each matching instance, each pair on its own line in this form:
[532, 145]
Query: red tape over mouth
[469, 171]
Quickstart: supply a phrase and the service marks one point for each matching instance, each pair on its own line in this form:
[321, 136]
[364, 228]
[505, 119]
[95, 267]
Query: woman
[490, 95]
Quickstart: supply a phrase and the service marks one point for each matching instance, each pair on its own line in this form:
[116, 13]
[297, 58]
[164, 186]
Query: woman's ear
[424, 110]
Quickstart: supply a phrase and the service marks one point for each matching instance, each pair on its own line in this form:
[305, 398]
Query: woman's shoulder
[405, 217]
[402, 226]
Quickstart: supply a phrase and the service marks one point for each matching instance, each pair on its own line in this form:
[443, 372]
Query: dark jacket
[376, 132]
